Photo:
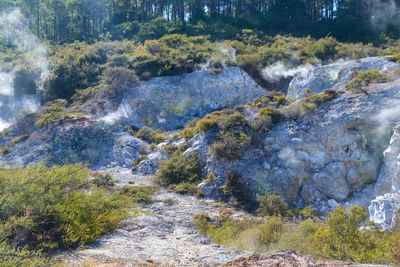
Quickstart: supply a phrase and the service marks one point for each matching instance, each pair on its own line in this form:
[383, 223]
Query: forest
[61, 21]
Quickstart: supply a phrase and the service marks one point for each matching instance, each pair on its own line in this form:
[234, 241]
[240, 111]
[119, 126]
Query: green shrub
[269, 231]
[320, 99]
[117, 80]
[25, 81]
[5, 150]
[235, 122]
[185, 188]
[362, 79]
[395, 57]
[340, 237]
[188, 133]
[103, 180]
[230, 145]
[205, 124]
[77, 66]
[48, 208]
[272, 205]
[140, 159]
[233, 137]
[54, 112]
[275, 115]
[150, 136]
[139, 194]
[19, 139]
[307, 212]
[201, 222]
[211, 178]
[22, 257]
[233, 185]
[179, 168]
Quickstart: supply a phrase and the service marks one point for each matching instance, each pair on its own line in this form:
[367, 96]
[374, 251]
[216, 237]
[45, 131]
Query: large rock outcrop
[332, 156]
[170, 101]
[335, 76]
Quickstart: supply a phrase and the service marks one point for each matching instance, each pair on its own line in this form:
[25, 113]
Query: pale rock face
[170, 101]
[331, 180]
[334, 76]
[382, 209]
[328, 158]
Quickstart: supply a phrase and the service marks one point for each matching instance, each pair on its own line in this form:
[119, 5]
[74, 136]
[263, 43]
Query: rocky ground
[287, 259]
[163, 233]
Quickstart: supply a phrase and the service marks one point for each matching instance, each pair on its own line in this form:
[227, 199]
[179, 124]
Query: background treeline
[67, 20]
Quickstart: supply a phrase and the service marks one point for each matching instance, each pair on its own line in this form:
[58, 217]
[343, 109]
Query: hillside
[199, 144]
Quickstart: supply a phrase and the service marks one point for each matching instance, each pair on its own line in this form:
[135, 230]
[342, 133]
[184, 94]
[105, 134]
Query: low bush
[395, 57]
[19, 139]
[10, 256]
[340, 237]
[117, 80]
[49, 208]
[363, 79]
[185, 188]
[205, 124]
[103, 180]
[229, 145]
[180, 168]
[234, 136]
[272, 205]
[140, 159]
[275, 115]
[54, 112]
[150, 136]
[139, 194]
[5, 150]
[25, 81]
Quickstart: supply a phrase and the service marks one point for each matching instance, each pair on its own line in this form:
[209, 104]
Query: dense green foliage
[150, 136]
[48, 208]
[139, 194]
[363, 79]
[67, 20]
[21, 257]
[56, 111]
[339, 237]
[180, 168]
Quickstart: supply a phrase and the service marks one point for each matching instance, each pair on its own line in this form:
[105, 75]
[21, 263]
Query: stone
[382, 210]
[170, 101]
[335, 76]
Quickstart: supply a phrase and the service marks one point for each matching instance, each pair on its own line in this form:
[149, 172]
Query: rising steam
[278, 70]
[386, 14]
[14, 32]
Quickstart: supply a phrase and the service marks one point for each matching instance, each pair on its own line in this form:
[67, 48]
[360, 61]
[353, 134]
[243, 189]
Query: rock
[77, 141]
[170, 101]
[382, 209]
[335, 75]
[331, 181]
[334, 154]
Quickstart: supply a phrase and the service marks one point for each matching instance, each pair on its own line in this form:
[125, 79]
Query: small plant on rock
[363, 79]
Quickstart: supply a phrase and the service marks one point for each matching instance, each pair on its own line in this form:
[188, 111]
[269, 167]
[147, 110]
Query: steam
[220, 56]
[387, 117]
[386, 14]
[123, 111]
[278, 70]
[6, 86]
[14, 31]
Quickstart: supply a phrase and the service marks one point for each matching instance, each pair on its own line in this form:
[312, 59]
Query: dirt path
[164, 233]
